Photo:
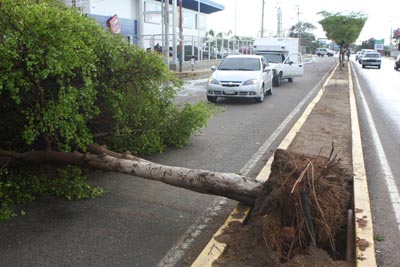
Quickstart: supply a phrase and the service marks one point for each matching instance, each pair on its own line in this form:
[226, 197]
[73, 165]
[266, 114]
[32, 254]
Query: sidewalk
[330, 118]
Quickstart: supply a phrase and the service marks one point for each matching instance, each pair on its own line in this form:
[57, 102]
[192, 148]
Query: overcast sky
[383, 15]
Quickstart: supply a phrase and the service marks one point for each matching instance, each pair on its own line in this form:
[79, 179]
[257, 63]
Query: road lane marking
[389, 179]
[177, 252]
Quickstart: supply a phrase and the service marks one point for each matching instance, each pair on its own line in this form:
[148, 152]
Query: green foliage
[368, 44]
[48, 71]
[342, 28]
[188, 120]
[303, 30]
[66, 82]
[18, 188]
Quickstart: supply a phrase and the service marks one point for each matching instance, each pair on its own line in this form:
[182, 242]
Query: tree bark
[230, 185]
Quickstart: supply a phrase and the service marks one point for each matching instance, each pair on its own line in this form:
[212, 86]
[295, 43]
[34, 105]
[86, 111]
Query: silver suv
[324, 51]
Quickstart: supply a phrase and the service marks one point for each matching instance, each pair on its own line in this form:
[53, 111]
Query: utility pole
[299, 26]
[279, 26]
[235, 15]
[198, 29]
[262, 19]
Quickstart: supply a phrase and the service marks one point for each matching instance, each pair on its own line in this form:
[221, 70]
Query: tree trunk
[230, 185]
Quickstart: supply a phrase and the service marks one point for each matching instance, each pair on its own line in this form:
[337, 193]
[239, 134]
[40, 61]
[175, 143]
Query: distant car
[397, 63]
[240, 76]
[371, 59]
[362, 53]
[324, 51]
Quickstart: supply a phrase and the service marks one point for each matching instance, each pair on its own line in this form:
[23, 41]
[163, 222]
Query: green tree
[66, 83]
[342, 28]
[368, 44]
[304, 30]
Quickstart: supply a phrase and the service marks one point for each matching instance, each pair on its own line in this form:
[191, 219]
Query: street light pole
[174, 52]
[180, 52]
[166, 20]
[262, 19]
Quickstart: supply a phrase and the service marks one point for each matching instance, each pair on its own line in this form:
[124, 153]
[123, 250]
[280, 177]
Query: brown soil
[300, 218]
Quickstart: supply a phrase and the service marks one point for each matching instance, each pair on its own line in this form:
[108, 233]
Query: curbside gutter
[365, 255]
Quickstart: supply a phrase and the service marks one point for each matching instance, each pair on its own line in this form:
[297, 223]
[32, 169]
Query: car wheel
[260, 99]
[212, 99]
[290, 80]
[277, 81]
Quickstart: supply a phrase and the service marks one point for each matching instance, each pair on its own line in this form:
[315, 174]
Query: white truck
[283, 56]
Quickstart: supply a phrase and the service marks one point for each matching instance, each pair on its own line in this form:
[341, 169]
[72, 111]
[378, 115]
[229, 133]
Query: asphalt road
[144, 223]
[378, 99]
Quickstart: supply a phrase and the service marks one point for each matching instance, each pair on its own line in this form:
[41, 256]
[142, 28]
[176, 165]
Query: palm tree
[220, 35]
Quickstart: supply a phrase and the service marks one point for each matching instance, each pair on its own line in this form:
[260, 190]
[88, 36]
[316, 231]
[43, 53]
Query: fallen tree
[228, 185]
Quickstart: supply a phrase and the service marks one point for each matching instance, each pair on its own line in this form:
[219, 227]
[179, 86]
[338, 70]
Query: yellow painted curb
[363, 219]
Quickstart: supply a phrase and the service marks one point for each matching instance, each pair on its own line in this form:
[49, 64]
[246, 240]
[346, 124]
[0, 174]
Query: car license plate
[229, 92]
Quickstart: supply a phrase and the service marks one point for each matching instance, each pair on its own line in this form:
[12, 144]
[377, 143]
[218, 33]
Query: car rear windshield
[246, 64]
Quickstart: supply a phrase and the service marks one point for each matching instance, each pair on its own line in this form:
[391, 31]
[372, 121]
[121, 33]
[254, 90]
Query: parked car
[371, 59]
[324, 51]
[240, 76]
[397, 63]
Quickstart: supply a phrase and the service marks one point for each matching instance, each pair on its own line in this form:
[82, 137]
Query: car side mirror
[267, 69]
[213, 68]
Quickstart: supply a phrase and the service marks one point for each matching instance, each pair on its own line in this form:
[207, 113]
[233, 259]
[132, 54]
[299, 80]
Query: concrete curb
[366, 257]
[362, 211]
[193, 74]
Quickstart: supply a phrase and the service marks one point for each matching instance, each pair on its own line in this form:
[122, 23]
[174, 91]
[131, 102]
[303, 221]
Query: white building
[141, 21]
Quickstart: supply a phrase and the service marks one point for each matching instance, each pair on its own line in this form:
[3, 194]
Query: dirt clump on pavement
[300, 217]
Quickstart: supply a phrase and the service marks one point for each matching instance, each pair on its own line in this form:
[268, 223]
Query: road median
[330, 121]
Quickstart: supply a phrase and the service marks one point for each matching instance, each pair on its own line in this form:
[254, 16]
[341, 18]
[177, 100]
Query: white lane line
[177, 252]
[387, 172]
